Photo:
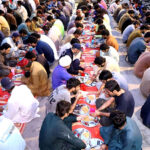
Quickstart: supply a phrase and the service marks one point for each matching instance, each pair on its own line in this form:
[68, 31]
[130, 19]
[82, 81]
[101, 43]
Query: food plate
[90, 121]
[90, 99]
[83, 134]
[94, 144]
[81, 109]
[18, 71]
[90, 83]
[83, 79]
[17, 77]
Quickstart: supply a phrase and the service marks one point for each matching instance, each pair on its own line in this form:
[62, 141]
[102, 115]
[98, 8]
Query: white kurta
[22, 107]
[10, 137]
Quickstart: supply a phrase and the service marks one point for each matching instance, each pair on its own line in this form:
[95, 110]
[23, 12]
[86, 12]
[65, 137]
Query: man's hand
[95, 114]
[80, 71]
[93, 77]
[103, 147]
[1, 109]
[81, 117]
[19, 45]
[79, 95]
[102, 86]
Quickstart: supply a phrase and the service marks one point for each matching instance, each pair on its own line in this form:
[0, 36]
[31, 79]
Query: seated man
[39, 58]
[34, 25]
[145, 112]
[126, 24]
[137, 47]
[137, 33]
[114, 6]
[68, 45]
[110, 40]
[4, 26]
[4, 50]
[106, 75]
[13, 42]
[76, 35]
[78, 26]
[42, 48]
[119, 99]
[121, 13]
[35, 77]
[69, 92]
[124, 134]
[73, 22]
[127, 15]
[100, 22]
[22, 107]
[60, 74]
[129, 30]
[106, 50]
[26, 26]
[142, 64]
[46, 39]
[62, 17]
[75, 64]
[55, 134]
[145, 83]
[107, 63]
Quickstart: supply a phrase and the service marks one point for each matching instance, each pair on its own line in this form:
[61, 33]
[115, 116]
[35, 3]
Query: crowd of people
[39, 35]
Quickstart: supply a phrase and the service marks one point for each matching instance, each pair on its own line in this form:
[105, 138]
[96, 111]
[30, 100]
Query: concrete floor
[32, 129]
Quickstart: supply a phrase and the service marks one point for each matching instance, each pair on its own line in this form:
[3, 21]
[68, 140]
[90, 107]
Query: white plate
[83, 134]
[91, 84]
[90, 99]
[90, 121]
[17, 77]
[81, 109]
[94, 144]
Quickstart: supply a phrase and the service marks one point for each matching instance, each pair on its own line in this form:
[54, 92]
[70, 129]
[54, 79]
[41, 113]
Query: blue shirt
[129, 138]
[137, 47]
[121, 80]
[44, 48]
[145, 112]
[24, 26]
[127, 32]
[125, 103]
[59, 76]
[64, 21]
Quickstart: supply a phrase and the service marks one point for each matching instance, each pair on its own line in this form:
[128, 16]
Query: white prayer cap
[65, 61]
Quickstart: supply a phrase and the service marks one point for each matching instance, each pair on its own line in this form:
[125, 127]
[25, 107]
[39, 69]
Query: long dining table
[88, 56]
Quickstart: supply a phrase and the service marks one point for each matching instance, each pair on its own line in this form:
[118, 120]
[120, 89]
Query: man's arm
[75, 103]
[107, 104]
[66, 134]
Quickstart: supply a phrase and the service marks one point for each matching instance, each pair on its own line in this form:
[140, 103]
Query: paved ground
[31, 132]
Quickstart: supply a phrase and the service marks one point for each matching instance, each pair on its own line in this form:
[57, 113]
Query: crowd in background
[39, 35]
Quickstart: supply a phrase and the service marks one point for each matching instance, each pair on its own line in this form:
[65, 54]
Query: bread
[85, 109]
[89, 82]
[87, 119]
[91, 97]
[86, 134]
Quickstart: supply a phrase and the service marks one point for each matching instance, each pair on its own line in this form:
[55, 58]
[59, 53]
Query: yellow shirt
[122, 20]
[3, 23]
[136, 33]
